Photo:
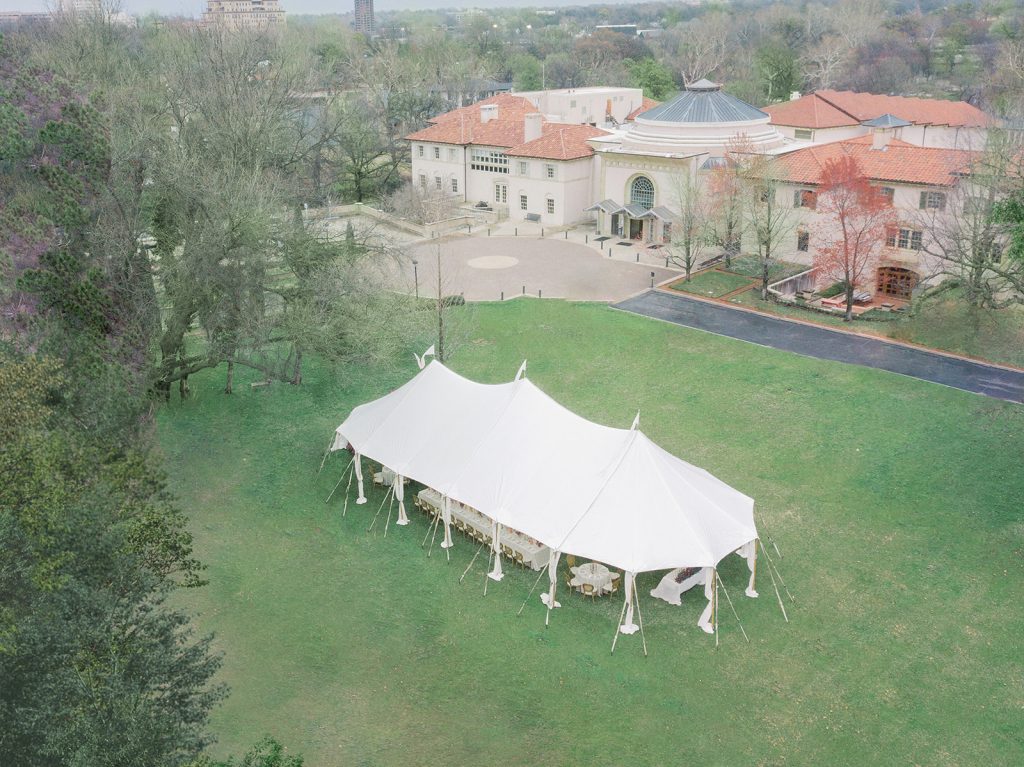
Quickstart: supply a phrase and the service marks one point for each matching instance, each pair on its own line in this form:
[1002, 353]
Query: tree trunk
[764, 276]
[297, 370]
[849, 302]
[230, 378]
[183, 389]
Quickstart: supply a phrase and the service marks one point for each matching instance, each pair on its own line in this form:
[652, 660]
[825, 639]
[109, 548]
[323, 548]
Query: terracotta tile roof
[464, 126]
[644, 106]
[900, 162]
[831, 109]
[559, 142]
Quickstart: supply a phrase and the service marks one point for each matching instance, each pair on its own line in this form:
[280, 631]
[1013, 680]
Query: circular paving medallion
[493, 262]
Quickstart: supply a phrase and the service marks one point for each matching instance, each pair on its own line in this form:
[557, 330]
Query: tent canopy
[512, 452]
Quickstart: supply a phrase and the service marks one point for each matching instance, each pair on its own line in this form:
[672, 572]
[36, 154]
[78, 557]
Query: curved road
[821, 342]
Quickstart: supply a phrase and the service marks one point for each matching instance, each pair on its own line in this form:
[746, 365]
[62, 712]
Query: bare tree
[823, 63]
[769, 216]
[690, 226]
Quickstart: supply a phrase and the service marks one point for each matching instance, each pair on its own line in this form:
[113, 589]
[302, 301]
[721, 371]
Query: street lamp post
[416, 276]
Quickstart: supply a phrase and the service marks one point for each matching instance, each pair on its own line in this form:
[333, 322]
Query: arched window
[641, 192]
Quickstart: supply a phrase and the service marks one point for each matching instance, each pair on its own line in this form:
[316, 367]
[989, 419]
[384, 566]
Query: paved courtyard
[482, 267]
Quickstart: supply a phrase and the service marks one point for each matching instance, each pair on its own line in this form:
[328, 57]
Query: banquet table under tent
[509, 456]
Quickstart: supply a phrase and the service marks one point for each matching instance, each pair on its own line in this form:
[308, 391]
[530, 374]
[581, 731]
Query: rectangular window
[524, 169]
[489, 160]
[437, 153]
[804, 198]
[522, 202]
[455, 185]
[419, 149]
[803, 241]
[933, 201]
[423, 181]
[805, 134]
[451, 155]
[907, 239]
[551, 205]
[501, 193]
[550, 169]
[437, 183]
[572, 104]
[888, 193]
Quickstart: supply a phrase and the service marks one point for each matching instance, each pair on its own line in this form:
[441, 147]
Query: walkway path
[825, 343]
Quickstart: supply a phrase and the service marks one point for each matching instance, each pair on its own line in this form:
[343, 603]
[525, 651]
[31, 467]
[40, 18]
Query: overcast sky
[195, 7]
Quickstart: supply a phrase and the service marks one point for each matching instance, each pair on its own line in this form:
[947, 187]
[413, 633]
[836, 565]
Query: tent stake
[433, 534]
[778, 595]
[542, 571]
[729, 600]
[336, 488]
[348, 489]
[379, 509]
[617, 624]
[772, 565]
[388, 522]
[327, 452]
[639, 617]
[478, 550]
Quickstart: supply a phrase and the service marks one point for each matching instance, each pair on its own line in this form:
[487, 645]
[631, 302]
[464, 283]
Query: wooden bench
[535, 217]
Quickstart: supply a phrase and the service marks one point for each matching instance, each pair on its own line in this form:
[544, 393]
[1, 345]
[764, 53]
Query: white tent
[527, 462]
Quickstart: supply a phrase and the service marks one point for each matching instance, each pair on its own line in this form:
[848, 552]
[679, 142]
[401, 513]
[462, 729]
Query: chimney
[532, 126]
[488, 112]
[880, 139]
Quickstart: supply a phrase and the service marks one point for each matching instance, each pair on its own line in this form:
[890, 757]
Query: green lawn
[942, 324]
[712, 283]
[897, 504]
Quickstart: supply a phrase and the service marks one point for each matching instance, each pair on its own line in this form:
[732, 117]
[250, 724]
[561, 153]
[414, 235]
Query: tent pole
[336, 487]
[551, 601]
[388, 522]
[714, 604]
[729, 600]
[618, 623]
[753, 575]
[542, 571]
[639, 617]
[388, 493]
[478, 550]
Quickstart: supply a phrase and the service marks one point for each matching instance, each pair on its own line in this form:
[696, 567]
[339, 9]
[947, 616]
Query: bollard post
[503, 295]
[516, 232]
[586, 239]
[488, 231]
[470, 228]
[652, 280]
[666, 262]
[602, 244]
[638, 257]
[539, 293]
[542, 231]
[524, 290]
[609, 251]
[566, 233]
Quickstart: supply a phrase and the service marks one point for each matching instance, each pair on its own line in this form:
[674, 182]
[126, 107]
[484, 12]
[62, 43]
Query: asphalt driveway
[821, 342]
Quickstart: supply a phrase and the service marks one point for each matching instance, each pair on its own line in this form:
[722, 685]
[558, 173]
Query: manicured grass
[712, 283]
[946, 324]
[751, 266]
[897, 504]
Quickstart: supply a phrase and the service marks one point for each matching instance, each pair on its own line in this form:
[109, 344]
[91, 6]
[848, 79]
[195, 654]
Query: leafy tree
[654, 78]
[855, 221]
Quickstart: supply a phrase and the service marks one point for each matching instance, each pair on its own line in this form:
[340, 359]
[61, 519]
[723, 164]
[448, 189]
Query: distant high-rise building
[79, 6]
[364, 17]
[244, 14]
